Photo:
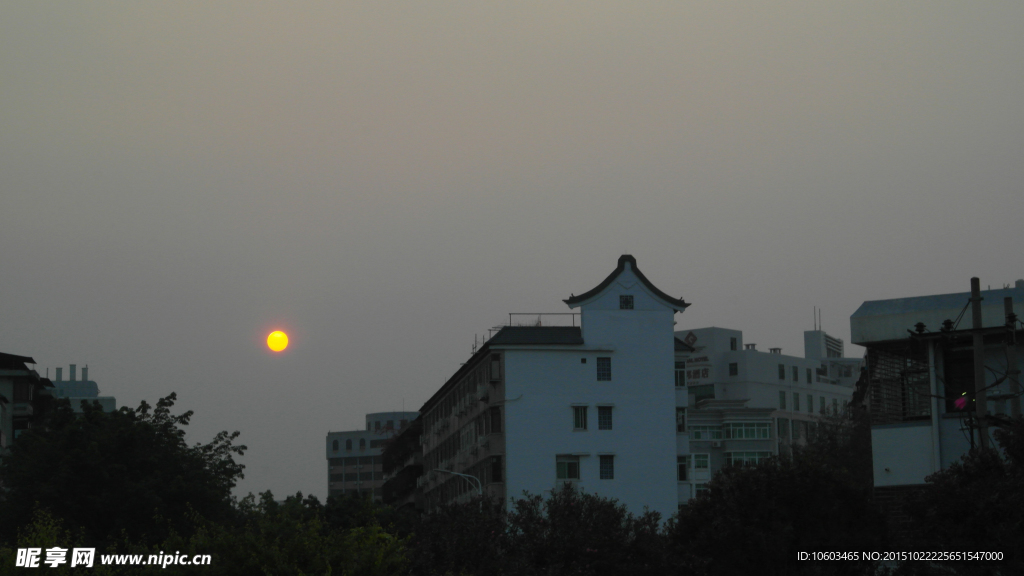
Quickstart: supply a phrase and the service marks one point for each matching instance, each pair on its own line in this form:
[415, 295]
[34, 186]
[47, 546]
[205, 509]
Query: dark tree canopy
[126, 473]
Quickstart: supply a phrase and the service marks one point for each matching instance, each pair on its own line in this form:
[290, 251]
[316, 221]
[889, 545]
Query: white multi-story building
[538, 406]
[354, 457]
[736, 404]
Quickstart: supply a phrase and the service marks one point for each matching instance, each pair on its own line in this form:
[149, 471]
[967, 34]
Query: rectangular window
[682, 463]
[604, 369]
[782, 400]
[579, 417]
[821, 405]
[495, 419]
[783, 428]
[702, 392]
[810, 403]
[626, 302]
[782, 371]
[607, 467]
[495, 367]
[699, 489]
[733, 344]
[796, 374]
[835, 406]
[748, 430]
[604, 417]
[700, 462]
[705, 432]
[680, 374]
[680, 419]
[734, 369]
[496, 469]
[808, 375]
[567, 467]
[745, 458]
[796, 401]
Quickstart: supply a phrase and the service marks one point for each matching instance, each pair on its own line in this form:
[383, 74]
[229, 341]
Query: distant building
[22, 395]
[539, 406]
[78, 391]
[736, 404]
[354, 457]
[922, 394]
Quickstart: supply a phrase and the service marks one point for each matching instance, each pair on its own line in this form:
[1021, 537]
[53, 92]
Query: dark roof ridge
[675, 303]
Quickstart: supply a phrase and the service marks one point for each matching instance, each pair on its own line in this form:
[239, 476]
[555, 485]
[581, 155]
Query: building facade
[736, 404]
[540, 406]
[354, 457]
[22, 395]
[923, 392]
[77, 391]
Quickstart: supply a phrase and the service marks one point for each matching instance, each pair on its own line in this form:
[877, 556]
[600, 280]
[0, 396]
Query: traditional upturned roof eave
[676, 304]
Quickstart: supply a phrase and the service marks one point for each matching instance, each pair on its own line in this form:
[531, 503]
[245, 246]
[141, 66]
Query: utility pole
[1011, 357]
[980, 398]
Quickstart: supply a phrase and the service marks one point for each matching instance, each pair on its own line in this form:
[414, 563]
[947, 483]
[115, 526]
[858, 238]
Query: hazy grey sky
[384, 180]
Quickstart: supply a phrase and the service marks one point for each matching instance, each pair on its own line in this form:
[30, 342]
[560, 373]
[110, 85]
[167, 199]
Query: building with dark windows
[942, 372]
[22, 396]
[573, 398]
[77, 391]
[737, 405]
[354, 457]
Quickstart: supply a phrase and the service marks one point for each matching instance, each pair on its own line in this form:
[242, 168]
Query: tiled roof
[675, 303]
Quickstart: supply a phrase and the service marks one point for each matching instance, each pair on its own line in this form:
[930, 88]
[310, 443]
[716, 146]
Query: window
[583, 360]
[579, 417]
[745, 458]
[390, 425]
[496, 469]
[680, 419]
[604, 369]
[821, 405]
[348, 444]
[808, 375]
[733, 343]
[604, 417]
[835, 406]
[705, 432]
[351, 477]
[495, 367]
[796, 374]
[783, 428]
[495, 419]
[782, 400]
[782, 371]
[734, 369]
[376, 425]
[607, 467]
[680, 374]
[810, 403]
[334, 446]
[700, 462]
[701, 392]
[699, 489]
[748, 430]
[567, 467]
[626, 302]
[796, 401]
[367, 426]
[682, 463]
[362, 443]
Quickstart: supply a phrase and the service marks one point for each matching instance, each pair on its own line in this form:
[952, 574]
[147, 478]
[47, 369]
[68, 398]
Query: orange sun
[277, 341]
